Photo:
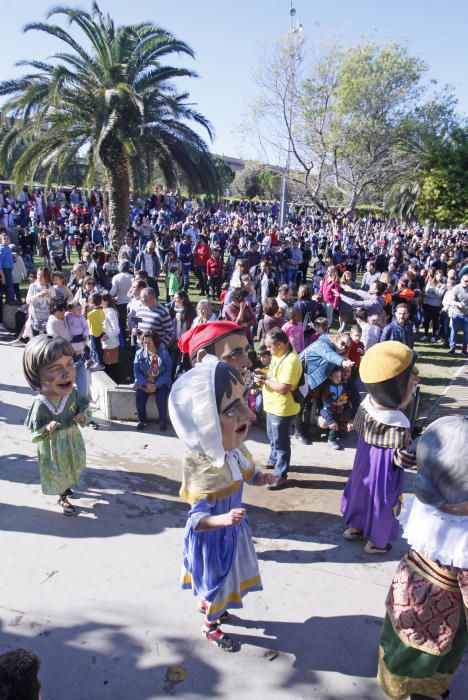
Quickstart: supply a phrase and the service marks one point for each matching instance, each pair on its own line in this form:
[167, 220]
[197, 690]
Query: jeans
[459, 323]
[96, 349]
[186, 277]
[8, 284]
[81, 380]
[279, 435]
[161, 396]
[201, 276]
[215, 284]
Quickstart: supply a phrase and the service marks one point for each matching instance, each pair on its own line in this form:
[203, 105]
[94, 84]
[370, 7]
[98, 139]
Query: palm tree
[115, 103]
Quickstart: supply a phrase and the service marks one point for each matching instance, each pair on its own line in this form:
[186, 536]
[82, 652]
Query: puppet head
[388, 373]
[48, 365]
[208, 409]
[223, 339]
[442, 463]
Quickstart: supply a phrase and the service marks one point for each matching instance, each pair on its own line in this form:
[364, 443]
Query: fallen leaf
[176, 674]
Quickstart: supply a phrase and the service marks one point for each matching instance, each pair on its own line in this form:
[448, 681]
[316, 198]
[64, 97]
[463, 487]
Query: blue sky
[229, 38]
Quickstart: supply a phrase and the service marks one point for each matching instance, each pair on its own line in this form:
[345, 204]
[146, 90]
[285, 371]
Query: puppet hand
[347, 363]
[266, 479]
[80, 418]
[235, 516]
[53, 425]
[350, 426]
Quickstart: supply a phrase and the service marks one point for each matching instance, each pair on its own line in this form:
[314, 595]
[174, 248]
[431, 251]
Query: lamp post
[293, 30]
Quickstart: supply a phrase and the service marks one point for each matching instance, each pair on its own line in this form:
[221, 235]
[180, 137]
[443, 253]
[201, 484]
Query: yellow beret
[385, 361]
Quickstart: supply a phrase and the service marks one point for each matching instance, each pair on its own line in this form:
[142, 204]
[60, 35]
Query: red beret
[205, 334]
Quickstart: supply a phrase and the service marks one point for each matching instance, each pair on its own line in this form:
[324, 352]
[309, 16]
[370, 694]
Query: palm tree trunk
[117, 171]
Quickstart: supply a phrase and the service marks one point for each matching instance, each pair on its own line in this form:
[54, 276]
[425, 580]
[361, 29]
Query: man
[151, 315]
[148, 260]
[129, 248]
[121, 284]
[400, 327]
[185, 255]
[371, 275]
[373, 300]
[459, 309]
[55, 246]
[224, 339]
[284, 298]
[7, 264]
[293, 261]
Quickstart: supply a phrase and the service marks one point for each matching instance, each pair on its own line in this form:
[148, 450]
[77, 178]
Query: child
[61, 291]
[53, 419]
[294, 329]
[79, 330]
[425, 633]
[321, 326]
[335, 411]
[357, 350]
[210, 416]
[370, 332]
[96, 319]
[224, 291]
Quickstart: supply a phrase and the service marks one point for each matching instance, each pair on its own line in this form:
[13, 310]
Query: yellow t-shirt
[95, 320]
[286, 369]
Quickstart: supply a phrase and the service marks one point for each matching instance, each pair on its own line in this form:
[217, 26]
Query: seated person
[152, 368]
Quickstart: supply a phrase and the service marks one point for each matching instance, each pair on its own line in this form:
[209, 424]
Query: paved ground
[97, 596]
[454, 399]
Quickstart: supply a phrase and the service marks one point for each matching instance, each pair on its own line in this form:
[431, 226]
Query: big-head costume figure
[424, 634]
[210, 414]
[371, 499]
[223, 339]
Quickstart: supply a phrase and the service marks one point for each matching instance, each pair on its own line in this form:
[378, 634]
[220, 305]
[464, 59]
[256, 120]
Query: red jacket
[214, 268]
[201, 255]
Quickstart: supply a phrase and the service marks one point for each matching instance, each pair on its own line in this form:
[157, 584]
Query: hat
[205, 334]
[385, 361]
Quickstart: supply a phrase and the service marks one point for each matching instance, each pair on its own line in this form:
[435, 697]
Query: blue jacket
[6, 257]
[320, 359]
[393, 331]
[141, 367]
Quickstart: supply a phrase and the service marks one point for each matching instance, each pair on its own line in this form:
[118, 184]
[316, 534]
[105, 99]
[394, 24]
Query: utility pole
[293, 31]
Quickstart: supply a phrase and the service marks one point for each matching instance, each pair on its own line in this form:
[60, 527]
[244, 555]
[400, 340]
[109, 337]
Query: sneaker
[334, 445]
[424, 338]
[451, 351]
[140, 426]
[433, 340]
[67, 508]
[97, 368]
[303, 438]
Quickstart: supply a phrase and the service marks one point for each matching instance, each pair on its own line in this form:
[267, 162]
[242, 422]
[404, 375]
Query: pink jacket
[326, 291]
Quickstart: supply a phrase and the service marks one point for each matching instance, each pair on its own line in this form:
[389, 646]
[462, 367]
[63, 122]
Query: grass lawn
[435, 366]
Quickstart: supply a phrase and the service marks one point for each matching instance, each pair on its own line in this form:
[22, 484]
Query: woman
[182, 313]
[270, 320]
[201, 255]
[77, 276]
[152, 370]
[38, 297]
[239, 311]
[110, 341]
[344, 310]
[279, 404]
[432, 304]
[204, 313]
[329, 285]
[83, 294]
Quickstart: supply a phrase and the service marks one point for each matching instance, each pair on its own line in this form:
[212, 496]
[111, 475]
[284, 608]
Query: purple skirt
[371, 499]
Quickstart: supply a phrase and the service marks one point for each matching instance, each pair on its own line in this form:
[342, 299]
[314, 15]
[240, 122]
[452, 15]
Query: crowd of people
[125, 310]
[258, 346]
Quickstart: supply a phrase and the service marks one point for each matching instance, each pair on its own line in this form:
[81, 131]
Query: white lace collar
[436, 535]
[53, 409]
[387, 416]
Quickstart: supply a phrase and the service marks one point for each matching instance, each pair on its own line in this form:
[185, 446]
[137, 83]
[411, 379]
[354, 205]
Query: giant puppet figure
[223, 339]
[210, 414]
[371, 499]
[424, 634]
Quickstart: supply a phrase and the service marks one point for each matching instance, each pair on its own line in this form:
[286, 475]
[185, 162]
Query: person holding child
[54, 417]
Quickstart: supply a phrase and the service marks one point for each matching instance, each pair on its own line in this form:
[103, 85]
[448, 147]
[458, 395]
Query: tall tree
[115, 102]
[347, 123]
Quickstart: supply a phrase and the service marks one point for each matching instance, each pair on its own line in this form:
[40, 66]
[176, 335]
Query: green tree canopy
[113, 101]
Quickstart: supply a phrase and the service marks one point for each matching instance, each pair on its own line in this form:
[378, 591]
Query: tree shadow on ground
[16, 389]
[72, 658]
